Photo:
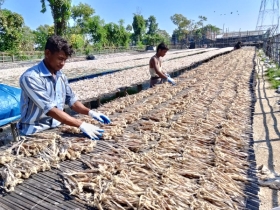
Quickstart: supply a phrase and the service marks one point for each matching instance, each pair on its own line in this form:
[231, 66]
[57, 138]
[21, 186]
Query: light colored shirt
[40, 93]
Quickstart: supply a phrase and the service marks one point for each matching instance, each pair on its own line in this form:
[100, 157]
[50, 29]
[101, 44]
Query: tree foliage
[94, 27]
[201, 20]
[152, 25]
[11, 28]
[81, 13]
[77, 41]
[27, 39]
[61, 12]
[164, 36]
[139, 27]
[41, 35]
[91, 31]
[116, 35]
[182, 24]
[128, 28]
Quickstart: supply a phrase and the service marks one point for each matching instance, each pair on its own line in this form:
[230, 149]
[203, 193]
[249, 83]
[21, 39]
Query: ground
[266, 134]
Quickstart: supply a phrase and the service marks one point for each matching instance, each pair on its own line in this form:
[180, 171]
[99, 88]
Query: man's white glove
[91, 131]
[99, 116]
[170, 80]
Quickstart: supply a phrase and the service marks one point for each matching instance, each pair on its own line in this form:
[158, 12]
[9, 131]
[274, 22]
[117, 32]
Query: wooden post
[14, 131]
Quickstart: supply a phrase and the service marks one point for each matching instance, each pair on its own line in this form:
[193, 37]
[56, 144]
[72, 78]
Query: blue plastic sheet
[9, 104]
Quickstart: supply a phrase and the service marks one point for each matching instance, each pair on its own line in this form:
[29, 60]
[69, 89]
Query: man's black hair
[57, 43]
[162, 46]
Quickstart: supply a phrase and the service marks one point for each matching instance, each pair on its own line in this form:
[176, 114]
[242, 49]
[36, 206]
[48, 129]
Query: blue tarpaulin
[9, 104]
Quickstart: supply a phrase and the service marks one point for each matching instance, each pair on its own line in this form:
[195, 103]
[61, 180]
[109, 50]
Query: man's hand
[91, 131]
[167, 75]
[170, 80]
[99, 116]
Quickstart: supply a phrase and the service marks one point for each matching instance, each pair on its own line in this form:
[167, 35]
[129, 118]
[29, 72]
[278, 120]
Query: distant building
[248, 38]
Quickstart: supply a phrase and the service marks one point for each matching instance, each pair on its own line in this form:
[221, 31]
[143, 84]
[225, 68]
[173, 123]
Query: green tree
[112, 33]
[139, 27]
[41, 35]
[116, 34]
[164, 36]
[77, 41]
[159, 36]
[151, 39]
[201, 20]
[11, 27]
[152, 25]
[182, 24]
[128, 28]
[197, 34]
[61, 12]
[81, 13]
[121, 22]
[27, 41]
[124, 34]
[94, 27]
[212, 28]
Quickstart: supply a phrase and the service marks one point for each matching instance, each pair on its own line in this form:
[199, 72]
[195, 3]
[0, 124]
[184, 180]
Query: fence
[38, 55]
[21, 56]
[271, 48]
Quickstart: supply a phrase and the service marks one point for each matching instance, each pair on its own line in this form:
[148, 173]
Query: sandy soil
[266, 134]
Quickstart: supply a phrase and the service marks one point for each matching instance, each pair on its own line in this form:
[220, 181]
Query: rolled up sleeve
[70, 96]
[36, 91]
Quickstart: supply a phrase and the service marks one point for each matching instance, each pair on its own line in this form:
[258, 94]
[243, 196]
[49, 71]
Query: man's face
[55, 60]
[162, 52]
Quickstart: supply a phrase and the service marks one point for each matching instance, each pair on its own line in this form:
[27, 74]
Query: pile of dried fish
[36, 153]
[171, 148]
[175, 148]
[82, 68]
[134, 76]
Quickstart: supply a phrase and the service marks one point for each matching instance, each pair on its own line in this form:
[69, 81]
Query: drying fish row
[37, 153]
[82, 68]
[171, 146]
[127, 62]
[184, 149]
[134, 61]
[91, 89]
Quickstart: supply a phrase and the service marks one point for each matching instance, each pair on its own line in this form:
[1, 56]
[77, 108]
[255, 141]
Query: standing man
[45, 91]
[157, 75]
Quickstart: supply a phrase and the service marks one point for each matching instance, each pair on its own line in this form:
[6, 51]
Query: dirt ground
[266, 134]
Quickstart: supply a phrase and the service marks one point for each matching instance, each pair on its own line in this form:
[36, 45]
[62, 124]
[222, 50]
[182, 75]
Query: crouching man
[45, 91]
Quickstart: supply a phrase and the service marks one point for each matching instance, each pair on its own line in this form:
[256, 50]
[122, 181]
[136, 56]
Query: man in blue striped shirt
[45, 91]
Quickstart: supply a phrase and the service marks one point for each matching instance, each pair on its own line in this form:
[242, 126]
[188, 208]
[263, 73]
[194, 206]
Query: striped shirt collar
[44, 72]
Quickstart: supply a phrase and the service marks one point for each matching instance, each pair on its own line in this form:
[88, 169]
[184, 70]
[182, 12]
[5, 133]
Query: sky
[221, 13]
